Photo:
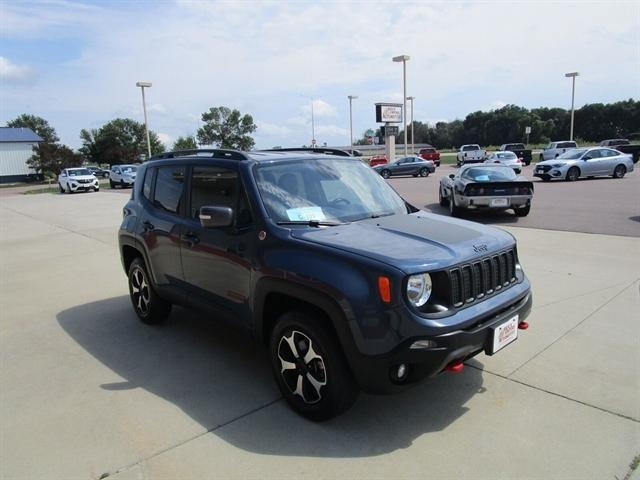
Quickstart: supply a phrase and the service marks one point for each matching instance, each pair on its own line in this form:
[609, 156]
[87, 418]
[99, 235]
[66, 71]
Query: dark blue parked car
[317, 258]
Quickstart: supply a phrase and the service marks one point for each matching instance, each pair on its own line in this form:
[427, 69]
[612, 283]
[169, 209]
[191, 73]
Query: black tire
[122, 185]
[573, 174]
[385, 174]
[150, 308]
[111, 184]
[522, 212]
[443, 200]
[61, 189]
[336, 389]
[619, 171]
[541, 158]
[453, 208]
[527, 163]
[546, 178]
[424, 172]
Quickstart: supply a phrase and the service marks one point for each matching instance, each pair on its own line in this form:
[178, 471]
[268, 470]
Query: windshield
[78, 171]
[325, 190]
[129, 169]
[572, 154]
[489, 174]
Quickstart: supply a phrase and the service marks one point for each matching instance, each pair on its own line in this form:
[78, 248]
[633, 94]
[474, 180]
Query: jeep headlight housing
[419, 289]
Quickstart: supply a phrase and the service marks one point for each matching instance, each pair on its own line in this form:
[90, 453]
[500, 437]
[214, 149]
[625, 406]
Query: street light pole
[351, 98]
[413, 139]
[403, 59]
[313, 128]
[142, 86]
[573, 76]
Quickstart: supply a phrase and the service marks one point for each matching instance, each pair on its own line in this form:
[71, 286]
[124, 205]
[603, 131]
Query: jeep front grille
[486, 276]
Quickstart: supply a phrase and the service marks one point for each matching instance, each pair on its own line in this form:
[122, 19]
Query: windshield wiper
[311, 223]
[376, 215]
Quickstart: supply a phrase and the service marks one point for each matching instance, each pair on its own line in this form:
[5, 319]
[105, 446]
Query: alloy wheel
[302, 368]
[140, 291]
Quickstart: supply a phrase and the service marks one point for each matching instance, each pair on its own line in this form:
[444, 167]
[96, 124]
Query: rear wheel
[149, 307]
[424, 172]
[454, 210]
[111, 184]
[573, 174]
[385, 173]
[309, 367]
[541, 158]
[443, 200]
[522, 212]
[619, 171]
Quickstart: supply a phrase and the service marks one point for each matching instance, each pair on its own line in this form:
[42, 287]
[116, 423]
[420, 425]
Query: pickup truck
[470, 154]
[519, 149]
[430, 153]
[623, 145]
[555, 149]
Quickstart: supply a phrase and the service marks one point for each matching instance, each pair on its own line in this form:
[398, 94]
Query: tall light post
[413, 139]
[313, 127]
[573, 76]
[142, 86]
[403, 59]
[351, 98]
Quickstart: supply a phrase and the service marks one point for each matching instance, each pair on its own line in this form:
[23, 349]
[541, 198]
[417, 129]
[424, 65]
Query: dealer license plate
[499, 202]
[504, 334]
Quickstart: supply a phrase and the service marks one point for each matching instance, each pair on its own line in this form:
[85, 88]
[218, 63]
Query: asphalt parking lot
[597, 205]
[90, 392]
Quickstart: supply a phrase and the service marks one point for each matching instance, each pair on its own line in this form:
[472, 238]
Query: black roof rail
[322, 150]
[209, 152]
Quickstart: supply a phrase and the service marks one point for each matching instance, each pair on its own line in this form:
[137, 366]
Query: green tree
[38, 124]
[51, 158]
[226, 128]
[185, 143]
[119, 141]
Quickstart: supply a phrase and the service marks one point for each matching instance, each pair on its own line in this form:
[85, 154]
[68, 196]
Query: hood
[414, 242]
[556, 161]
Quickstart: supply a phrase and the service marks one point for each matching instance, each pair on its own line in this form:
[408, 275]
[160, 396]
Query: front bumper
[374, 373]
[513, 201]
[84, 187]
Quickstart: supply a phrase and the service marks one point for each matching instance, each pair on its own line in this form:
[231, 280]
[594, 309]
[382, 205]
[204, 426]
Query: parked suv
[315, 256]
[73, 180]
[555, 149]
[122, 175]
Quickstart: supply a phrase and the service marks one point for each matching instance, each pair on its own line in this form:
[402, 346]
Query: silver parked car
[585, 162]
[486, 187]
[508, 159]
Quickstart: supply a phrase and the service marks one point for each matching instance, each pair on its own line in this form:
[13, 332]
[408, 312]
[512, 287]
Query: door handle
[191, 237]
[147, 225]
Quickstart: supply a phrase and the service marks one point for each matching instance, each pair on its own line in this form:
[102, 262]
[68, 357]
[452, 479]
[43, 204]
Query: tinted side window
[213, 186]
[169, 187]
[146, 186]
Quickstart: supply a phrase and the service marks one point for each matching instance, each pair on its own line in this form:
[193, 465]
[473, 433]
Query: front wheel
[443, 200]
[61, 188]
[424, 172]
[309, 368]
[573, 174]
[522, 212]
[149, 307]
[619, 171]
[385, 174]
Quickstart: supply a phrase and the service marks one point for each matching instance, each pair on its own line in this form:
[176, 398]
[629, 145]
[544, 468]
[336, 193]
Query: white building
[16, 147]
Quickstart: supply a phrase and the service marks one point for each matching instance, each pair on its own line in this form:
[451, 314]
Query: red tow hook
[523, 325]
[455, 367]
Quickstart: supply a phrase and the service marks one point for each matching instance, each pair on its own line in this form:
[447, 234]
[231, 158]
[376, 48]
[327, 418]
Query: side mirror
[451, 175]
[216, 217]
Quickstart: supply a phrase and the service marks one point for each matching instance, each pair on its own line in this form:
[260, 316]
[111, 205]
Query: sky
[76, 63]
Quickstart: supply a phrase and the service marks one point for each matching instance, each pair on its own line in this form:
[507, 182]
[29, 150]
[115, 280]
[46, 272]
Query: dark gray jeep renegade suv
[318, 258]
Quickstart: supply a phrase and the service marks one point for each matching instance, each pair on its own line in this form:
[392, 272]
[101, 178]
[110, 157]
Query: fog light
[421, 344]
[401, 372]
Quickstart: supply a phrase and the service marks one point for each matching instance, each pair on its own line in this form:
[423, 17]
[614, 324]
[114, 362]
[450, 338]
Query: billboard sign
[388, 112]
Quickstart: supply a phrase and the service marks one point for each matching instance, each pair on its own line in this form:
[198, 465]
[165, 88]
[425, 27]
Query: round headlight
[419, 289]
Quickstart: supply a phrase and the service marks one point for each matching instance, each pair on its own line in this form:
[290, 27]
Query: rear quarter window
[168, 192]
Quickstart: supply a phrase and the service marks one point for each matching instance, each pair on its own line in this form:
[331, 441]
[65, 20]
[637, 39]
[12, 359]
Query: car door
[116, 174]
[160, 222]
[398, 167]
[593, 163]
[217, 262]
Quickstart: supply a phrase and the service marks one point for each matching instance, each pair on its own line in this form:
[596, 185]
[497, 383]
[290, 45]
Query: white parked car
[585, 162]
[73, 180]
[508, 159]
[470, 154]
[555, 149]
[122, 175]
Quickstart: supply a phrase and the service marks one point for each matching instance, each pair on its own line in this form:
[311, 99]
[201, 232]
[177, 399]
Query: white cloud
[331, 131]
[320, 109]
[13, 73]
[157, 108]
[166, 139]
[270, 129]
